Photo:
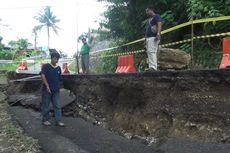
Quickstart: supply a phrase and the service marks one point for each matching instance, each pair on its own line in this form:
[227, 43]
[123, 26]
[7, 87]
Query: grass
[40, 60]
[9, 67]
[14, 66]
[3, 79]
[72, 66]
[12, 137]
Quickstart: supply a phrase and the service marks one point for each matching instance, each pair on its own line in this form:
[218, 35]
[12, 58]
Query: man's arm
[91, 42]
[159, 28]
[61, 79]
[44, 80]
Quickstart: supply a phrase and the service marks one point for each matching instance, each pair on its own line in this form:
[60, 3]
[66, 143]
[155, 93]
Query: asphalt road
[80, 136]
[77, 135]
[36, 68]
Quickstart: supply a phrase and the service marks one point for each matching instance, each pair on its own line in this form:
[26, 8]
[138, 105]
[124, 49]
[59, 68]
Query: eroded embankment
[154, 106]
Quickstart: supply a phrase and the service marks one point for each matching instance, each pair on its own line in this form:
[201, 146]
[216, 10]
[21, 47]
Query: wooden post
[77, 63]
[192, 45]
[192, 40]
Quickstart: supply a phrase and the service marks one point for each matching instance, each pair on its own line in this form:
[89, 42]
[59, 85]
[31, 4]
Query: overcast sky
[76, 16]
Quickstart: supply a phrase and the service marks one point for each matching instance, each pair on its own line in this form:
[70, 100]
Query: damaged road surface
[77, 134]
[33, 100]
[80, 136]
[158, 112]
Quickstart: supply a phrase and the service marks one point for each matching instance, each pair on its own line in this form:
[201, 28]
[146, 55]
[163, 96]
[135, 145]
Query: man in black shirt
[152, 36]
[51, 74]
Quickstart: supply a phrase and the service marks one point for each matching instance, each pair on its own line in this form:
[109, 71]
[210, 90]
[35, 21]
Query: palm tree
[1, 40]
[48, 20]
[35, 33]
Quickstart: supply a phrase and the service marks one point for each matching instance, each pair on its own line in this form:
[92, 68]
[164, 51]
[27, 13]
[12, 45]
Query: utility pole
[77, 52]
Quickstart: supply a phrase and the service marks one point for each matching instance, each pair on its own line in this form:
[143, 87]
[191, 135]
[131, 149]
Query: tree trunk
[48, 32]
[35, 41]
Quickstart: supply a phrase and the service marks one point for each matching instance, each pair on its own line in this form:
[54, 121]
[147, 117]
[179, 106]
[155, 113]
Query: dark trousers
[85, 63]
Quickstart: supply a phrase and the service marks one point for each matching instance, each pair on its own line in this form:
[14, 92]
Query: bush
[7, 54]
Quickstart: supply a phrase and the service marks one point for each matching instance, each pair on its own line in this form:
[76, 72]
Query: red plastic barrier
[65, 69]
[225, 63]
[23, 65]
[130, 64]
[126, 64]
[123, 64]
[119, 65]
[226, 45]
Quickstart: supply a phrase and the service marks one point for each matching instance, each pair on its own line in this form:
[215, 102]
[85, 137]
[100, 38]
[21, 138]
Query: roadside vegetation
[13, 139]
[125, 20]
[17, 50]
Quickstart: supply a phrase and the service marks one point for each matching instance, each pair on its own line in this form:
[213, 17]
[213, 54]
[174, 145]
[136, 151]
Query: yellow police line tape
[205, 20]
[169, 44]
[194, 38]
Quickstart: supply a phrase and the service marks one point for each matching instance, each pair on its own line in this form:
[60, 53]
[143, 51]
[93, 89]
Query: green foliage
[102, 34]
[126, 19]
[9, 67]
[6, 54]
[141, 62]
[36, 29]
[169, 18]
[210, 8]
[35, 34]
[1, 46]
[20, 44]
[186, 47]
[72, 66]
[47, 19]
[1, 39]
[109, 64]
[208, 54]
[103, 64]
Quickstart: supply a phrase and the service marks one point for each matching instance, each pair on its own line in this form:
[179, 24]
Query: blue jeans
[55, 99]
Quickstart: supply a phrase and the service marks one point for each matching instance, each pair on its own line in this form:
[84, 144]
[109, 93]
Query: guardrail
[6, 61]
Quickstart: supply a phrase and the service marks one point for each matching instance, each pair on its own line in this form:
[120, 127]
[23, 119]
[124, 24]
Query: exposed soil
[152, 107]
[157, 106]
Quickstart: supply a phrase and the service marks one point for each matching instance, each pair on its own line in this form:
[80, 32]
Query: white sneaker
[47, 123]
[60, 124]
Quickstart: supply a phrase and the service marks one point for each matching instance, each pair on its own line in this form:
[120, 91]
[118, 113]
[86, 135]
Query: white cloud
[76, 17]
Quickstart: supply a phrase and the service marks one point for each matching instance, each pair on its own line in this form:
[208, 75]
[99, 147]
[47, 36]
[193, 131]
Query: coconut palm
[35, 33]
[48, 20]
